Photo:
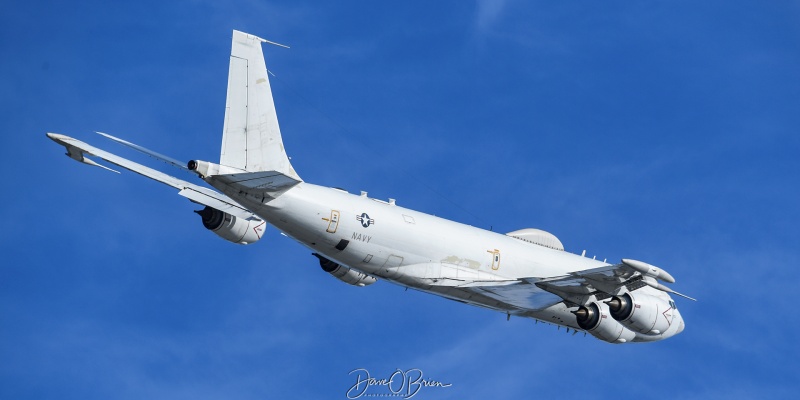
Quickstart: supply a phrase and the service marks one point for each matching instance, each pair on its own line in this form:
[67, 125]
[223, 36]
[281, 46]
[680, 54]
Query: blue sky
[660, 131]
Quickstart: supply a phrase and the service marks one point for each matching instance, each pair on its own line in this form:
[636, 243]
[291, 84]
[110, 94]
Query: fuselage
[393, 243]
[359, 240]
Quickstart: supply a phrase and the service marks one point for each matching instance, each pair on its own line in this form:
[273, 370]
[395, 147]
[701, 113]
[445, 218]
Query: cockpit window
[672, 304]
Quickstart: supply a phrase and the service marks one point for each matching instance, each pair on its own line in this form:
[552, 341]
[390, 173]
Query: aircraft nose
[680, 327]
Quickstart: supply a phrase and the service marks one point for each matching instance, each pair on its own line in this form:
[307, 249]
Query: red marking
[255, 229]
[668, 317]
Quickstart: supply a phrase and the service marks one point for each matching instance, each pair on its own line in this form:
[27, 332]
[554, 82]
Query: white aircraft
[357, 239]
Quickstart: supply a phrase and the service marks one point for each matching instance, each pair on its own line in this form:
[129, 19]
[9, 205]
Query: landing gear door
[333, 222]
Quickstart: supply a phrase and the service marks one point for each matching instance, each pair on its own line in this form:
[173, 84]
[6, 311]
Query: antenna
[263, 40]
[276, 44]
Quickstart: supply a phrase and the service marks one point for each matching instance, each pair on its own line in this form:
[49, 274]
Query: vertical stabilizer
[251, 138]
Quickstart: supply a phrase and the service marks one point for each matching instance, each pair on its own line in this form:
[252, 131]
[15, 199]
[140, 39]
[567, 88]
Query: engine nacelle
[593, 318]
[640, 312]
[345, 274]
[230, 228]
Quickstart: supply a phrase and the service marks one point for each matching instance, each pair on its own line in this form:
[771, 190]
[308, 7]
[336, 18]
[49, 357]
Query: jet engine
[593, 318]
[230, 228]
[640, 312]
[345, 274]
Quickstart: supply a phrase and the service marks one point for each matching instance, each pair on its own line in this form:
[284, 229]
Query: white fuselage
[383, 238]
[358, 240]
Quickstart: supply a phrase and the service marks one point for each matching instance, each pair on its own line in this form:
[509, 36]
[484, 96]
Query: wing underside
[81, 152]
[527, 296]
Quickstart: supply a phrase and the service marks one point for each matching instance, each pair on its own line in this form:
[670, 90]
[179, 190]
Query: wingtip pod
[649, 270]
[63, 140]
[55, 136]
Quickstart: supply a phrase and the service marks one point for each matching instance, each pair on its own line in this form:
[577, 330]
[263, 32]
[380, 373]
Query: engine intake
[230, 228]
[345, 274]
[640, 312]
[593, 318]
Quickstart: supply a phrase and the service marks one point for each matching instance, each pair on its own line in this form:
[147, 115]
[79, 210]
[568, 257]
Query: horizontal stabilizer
[261, 184]
[269, 182]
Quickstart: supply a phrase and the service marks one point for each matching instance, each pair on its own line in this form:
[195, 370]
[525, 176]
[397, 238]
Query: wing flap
[464, 283]
[521, 294]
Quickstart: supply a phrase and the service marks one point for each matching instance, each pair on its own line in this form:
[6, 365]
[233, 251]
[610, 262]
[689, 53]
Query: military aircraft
[358, 239]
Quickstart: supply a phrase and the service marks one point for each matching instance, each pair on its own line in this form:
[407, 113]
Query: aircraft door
[333, 222]
[495, 259]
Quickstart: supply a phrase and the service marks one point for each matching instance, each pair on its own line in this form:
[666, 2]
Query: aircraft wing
[78, 151]
[534, 294]
[603, 279]
[573, 288]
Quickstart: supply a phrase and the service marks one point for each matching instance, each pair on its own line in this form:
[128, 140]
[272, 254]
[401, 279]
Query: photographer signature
[400, 383]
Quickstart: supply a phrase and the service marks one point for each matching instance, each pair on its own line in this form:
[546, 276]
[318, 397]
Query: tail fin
[251, 138]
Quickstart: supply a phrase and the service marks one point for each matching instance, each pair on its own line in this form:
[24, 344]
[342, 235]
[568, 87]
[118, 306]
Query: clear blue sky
[665, 131]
